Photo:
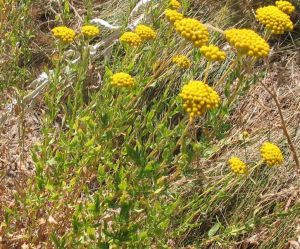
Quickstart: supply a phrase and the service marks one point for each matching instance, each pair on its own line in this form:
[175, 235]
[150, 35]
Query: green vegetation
[133, 167]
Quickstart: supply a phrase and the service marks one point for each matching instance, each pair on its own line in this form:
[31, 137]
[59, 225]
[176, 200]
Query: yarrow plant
[146, 33]
[213, 53]
[193, 30]
[198, 97]
[122, 80]
[181, 61]
[174, 4]
[64, 34]
[285, 6]
[276, 21]
[247, 42]
[237, 165]
[131, 38]
[90, 31]
[173, 15]
[271, 154]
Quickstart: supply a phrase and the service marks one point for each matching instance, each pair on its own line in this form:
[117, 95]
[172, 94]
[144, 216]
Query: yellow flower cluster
[146, 33]
[237, 165]
[271, 154]
[64, 34]
[173, 15]
[213, 53]
[174, 4]
[198, 98]
[90, 31]
[122, 80]
[182, 61]
[131, 38]
[274, 19]
[247, 42]
[192, 30]
[285, 6]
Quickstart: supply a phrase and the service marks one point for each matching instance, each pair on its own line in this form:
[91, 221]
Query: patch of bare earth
[19, 131]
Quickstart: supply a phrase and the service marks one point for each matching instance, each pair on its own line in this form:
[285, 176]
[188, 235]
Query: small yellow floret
[146, 33]
[182, 61]
[192, 30]
[245, 134]
[173, 15]
[198, 97]
[271, 154]
[131, 38]
[174, 4]
[285, 6]
[237, 165]
[122, 80]
[274, 19]
[247, 42]
[64, 34]
[213, 53]
[90, 31]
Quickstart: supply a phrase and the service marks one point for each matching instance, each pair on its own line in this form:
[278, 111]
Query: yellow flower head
[213, 53]
[131, 38]
[192, 30]
[64, 34]
[237, 165]
[146, 33]
[173, 15]
[285, 6]
[122, 80]
[174, 4]
[274, 19]
[247, 42]
[182, 61]
[271, 154]
[198, 98]
[90, 31]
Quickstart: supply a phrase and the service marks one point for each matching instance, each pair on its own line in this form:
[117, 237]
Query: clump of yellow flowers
[198, 97]
[213, 53]
[192, 30]
[64, 34]
[90, 31]
[182, 61]
[271, 154]
[274, 19]
[145, 33]
[247, 42]
[285, 6]
[173, 15]
[122, 80]
[237, 165]
[174, 4]
[131, 38]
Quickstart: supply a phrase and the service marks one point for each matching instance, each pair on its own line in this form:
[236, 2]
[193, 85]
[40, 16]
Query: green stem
[207, 71]
[229, 69]
[267, 35]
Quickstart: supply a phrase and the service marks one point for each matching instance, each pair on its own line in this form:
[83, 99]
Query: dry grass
[255, 112]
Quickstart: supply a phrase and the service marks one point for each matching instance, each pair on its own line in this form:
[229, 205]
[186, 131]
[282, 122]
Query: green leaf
[227, 89]
[105, 119]
[103, 245]
[123, 185]
[124, 213]
[214, 229]
[52, 162]
[91, 233]
[135, 155]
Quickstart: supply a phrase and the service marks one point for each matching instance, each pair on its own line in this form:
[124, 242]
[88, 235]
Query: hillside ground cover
[112, 139]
